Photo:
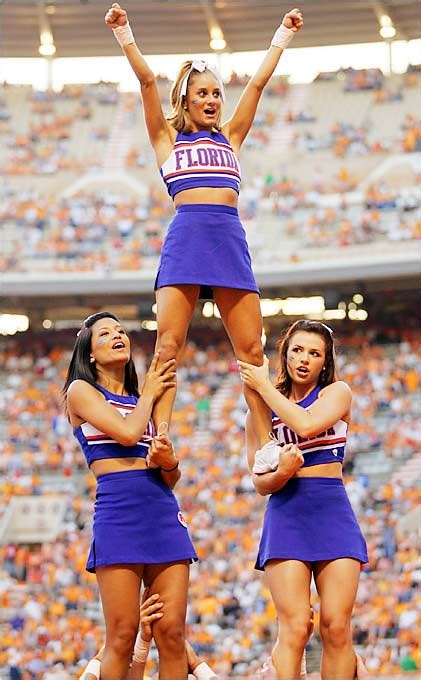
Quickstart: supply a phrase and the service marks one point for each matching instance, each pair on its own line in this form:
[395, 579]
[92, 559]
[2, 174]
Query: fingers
[166, 366]
[151, 612]
[244, 364]
[154, 362]
[293, 19]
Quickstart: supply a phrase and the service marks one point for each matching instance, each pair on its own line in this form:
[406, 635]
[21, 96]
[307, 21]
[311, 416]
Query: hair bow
[200, 66]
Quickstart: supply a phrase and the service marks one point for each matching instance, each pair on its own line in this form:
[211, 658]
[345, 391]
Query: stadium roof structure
[183, 26]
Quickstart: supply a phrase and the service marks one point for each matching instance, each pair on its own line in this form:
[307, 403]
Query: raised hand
[254, 377]
[116, 16]
[293, 20]
[159, 378]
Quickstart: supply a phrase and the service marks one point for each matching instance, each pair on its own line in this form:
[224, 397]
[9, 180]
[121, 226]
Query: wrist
[124, 35]
[147, 398]
[282, 37]
[141, 649]
[265, 388]
[173, 465]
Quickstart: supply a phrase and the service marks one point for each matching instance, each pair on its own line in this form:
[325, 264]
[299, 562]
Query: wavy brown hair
[329, 373]
[179, 118]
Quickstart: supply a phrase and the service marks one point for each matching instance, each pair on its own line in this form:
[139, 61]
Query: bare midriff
[107, 465]
[214, 195]
[333, 470]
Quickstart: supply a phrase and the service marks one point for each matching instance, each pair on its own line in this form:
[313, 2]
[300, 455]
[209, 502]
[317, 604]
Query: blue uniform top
[97, 445]
[201, 159]
[326, 447]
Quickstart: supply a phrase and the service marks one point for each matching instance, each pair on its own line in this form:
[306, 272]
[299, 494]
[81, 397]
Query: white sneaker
[266, 459]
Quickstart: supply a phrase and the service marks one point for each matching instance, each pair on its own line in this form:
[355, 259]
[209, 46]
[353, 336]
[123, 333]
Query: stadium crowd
[51, 617]
[111, 231]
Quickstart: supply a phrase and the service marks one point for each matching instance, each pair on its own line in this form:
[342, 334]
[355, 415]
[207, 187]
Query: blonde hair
[179, 118]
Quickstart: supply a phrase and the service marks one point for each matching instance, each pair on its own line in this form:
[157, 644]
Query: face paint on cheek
[101, 342]
[195, 101]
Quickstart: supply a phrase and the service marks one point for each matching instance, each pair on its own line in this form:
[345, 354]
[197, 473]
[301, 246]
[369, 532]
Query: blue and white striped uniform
[201, 159]
[325, 447]
[97, 445]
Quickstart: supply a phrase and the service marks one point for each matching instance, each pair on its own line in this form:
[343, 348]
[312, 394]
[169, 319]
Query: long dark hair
[327, 376]
[81, 368]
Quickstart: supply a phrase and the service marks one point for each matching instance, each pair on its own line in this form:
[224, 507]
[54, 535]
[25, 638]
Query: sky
[301, 65]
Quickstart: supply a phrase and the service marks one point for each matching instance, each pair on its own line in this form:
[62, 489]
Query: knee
[169, 635]
[122, 640]
[169, 346]
[297, 631]
[252, 352]
[335, 632]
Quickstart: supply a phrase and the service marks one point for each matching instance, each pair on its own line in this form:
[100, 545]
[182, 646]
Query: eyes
[313, 352]
[203, 93]
[105, 332]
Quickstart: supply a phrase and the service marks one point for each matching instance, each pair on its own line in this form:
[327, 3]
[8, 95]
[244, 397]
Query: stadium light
[47, 323]
[358, 298]
[330, 314]
[387, 32]
[357, 314]
[47, 47]
[302, 306]
[217, 41]
[207, 309]
[13, 323]
[385, 20]
[149, 325]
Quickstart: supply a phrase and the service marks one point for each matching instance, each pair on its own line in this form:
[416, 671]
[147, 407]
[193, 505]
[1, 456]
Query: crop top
[326, 447]
[201, 159]
[97, 445]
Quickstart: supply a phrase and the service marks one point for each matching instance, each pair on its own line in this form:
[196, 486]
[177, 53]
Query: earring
[92, 360]
[185, 108]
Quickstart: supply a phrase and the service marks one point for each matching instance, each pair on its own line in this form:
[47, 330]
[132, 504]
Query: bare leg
[337, 585]
[119, 587]
[240, 312]
[289, 585]
[175, 307]
[171, 582]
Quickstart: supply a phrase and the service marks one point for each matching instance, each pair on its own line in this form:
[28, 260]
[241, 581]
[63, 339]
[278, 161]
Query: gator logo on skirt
[181, 519]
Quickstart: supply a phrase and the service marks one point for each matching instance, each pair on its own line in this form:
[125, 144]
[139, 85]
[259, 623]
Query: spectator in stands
[113, 426]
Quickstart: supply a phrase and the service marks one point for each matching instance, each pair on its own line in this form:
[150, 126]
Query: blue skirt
[137, 520]
[310, 519]
[206, 245]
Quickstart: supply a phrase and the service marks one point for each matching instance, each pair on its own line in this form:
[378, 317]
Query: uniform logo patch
[181, 519]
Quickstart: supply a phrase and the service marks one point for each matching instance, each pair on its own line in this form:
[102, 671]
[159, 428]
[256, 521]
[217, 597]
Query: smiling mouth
[119, 345]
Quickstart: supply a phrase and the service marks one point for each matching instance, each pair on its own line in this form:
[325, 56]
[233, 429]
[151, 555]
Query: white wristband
[124, 35]
[141, 649]
[93, 668]
[282, 37]
[204, 672]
